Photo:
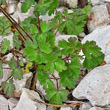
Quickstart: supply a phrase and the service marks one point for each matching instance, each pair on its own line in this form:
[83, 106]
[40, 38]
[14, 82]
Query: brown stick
[15, 24]
[72, 104]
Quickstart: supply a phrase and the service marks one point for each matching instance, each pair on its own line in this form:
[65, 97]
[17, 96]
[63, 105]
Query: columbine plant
[44, 57]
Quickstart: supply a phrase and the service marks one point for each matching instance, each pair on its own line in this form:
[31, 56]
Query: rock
[11, 1]
[102, 38]
[106, 0]
[12, 103]
[27, 102]
[25, 82]
[69, 3]
[3, 103]
[9, 57]
[95, 86]
[99, 16]
[66, 108]
[81, 36]
[49, 108]
[11, 8]
[20, 15]
[39, 88]
[96, 108]
[96, 2]
[85, 106]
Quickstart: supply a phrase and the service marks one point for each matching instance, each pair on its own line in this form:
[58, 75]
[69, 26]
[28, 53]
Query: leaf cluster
[4, 29]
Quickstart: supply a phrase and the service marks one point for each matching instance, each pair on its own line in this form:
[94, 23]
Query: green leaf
[4, 29]
[21, 62]
[31, 53]
[2, 1]
[93, 55]
[28, 22]
[45, 27]
[25, 7]
[48, 84]
[5, 45]
[51, 57]
[17, 73]
[16, 42]
[40, 9]
[1, 70]
[63, 44]
[8, 88]
[45, 47]
[53, 5]
[51, 39]
[41, 37]
[93, 61]
[60, 65]
[12, 64]
[67, 79]
[50, 67]
[40, 58]
[42, 77]
[32, 44]
[33, 29]
[86, 9]
[40, 69]
[56, 96]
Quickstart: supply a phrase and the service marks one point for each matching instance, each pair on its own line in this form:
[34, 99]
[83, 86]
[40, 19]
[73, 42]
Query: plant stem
[56, 82]
[58, 28]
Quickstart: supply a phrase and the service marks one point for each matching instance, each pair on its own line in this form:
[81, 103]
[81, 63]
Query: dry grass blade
[15, 24]
[68, 105]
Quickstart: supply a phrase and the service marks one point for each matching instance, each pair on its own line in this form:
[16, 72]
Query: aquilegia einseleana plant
[43, 56]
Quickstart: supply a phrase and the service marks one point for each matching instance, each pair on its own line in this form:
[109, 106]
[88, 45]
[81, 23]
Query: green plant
[2, 1]
[4, 29]
[44, 56]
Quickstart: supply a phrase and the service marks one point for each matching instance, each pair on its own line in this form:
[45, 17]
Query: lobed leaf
[93, 54]
[8, 88]
[56, 96]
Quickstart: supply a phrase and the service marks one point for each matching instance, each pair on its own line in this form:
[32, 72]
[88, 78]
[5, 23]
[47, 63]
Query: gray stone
[25, 82]
[66, 108]
[69, 3]
[106, 0]
[8, 57]
[96, 2]
[96, 108]
[3, 103]
[49, 108]
[95, 86]
[27, 102]
[85, 106]
[102, 38]
[12, 103]
[99, 16]
[20, 15]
